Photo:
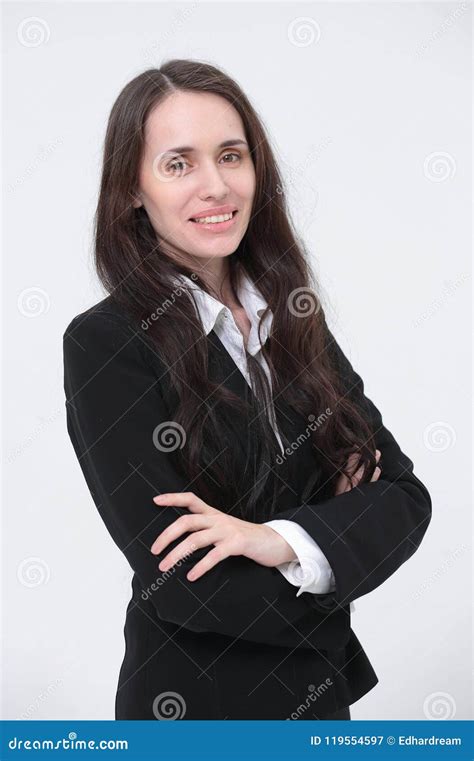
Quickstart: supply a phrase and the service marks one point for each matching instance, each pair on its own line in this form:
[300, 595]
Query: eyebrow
[190, 149]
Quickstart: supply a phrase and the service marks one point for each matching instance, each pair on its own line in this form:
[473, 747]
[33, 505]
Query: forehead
[201, 120]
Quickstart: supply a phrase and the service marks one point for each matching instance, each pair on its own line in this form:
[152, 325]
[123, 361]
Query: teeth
[210, 220]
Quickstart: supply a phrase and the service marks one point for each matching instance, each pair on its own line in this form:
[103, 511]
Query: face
[199, 178]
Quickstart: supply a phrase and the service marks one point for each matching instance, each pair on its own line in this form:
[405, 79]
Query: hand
[344, 484]
[229, 535]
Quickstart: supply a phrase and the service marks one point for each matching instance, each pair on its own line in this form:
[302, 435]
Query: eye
[176, 164]
[173, 165]
[231, 154]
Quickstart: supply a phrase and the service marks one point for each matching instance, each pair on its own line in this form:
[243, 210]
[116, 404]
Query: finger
[209, 561]
[185, 548]
[182, 499]
[356, 477]
[352, 462]
[344, 484]
[180, 526]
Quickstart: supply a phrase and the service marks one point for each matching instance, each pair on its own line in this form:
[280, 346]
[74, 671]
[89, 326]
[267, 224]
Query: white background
[356, 103]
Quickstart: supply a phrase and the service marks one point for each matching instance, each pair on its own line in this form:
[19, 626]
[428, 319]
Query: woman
[208, 376]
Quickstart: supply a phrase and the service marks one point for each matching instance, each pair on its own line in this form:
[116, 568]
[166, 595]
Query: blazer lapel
[223, 369]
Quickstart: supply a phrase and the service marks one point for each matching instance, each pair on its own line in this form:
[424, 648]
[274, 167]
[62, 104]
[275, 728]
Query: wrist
[284, 552]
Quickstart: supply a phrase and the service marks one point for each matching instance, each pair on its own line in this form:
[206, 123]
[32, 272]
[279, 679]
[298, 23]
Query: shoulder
[105, 331]
[103, 315]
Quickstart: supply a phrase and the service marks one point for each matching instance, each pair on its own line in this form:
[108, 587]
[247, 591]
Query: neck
[215, 272]
[216, 275]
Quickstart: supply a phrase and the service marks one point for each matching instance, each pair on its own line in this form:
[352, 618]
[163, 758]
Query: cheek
[245, 185]
[251, 181]
[166, 203]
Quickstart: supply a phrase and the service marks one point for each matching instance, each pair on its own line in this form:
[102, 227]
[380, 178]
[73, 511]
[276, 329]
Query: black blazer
[237, 643]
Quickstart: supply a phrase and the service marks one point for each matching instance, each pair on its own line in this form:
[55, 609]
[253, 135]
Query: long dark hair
[301, 352]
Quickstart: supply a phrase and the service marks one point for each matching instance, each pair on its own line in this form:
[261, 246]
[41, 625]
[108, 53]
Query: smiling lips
[213, 218]
[215, 223]
[214, 211]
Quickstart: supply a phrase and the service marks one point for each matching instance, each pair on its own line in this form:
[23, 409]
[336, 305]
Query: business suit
[237, 643]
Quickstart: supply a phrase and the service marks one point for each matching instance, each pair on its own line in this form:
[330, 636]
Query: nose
[211, 182]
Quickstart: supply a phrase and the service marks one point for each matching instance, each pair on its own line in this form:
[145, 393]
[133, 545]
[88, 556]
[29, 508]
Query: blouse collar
[211, 310]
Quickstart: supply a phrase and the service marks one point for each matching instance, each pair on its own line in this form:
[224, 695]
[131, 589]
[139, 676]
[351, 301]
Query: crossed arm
[114, 403]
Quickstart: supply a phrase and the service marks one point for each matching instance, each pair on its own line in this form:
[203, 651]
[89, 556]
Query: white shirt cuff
[311, 572]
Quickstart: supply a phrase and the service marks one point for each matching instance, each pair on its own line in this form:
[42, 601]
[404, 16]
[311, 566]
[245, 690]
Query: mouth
[221, 226]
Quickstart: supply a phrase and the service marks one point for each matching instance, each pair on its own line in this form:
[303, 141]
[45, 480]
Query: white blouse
[311, 572]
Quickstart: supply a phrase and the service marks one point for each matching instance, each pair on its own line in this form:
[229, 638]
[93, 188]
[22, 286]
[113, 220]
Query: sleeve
[311, 571]
[114, 403]
[368, 532]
